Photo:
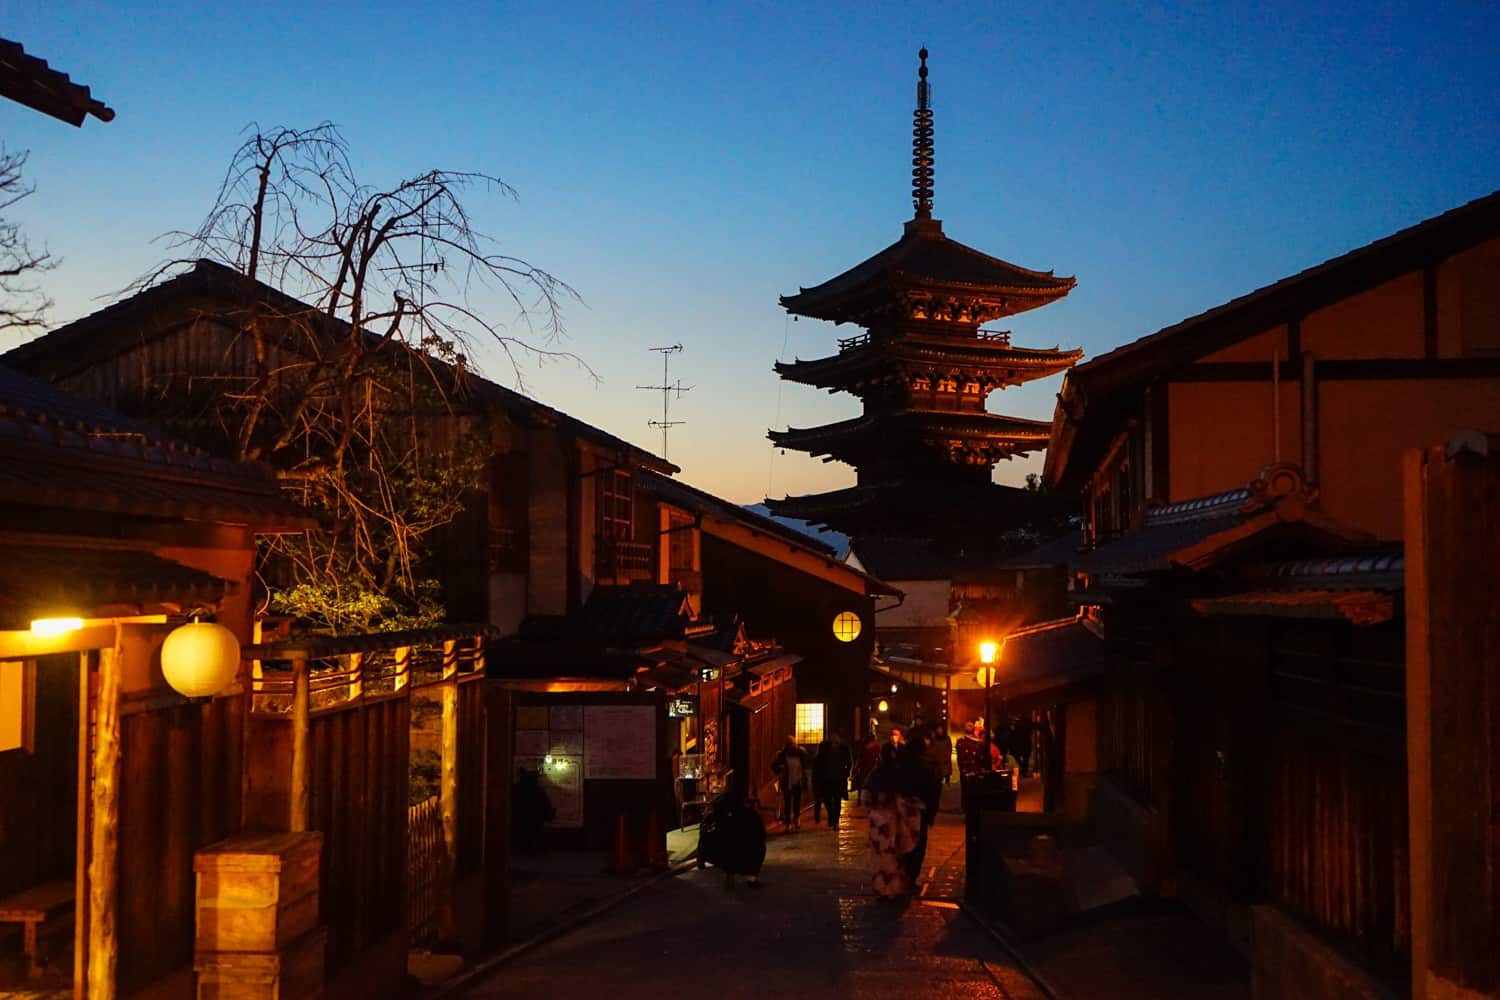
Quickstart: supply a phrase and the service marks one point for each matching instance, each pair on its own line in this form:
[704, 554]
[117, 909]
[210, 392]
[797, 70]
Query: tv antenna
[666, 389]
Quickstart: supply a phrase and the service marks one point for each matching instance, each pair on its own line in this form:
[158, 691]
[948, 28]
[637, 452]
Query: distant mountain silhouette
[838, 540]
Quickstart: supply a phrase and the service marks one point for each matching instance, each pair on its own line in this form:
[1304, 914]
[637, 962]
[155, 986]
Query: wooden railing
[618, 557]
[850, 343]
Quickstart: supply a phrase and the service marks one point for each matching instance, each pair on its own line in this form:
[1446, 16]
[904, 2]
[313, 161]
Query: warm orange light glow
[883, 706]
[989, 651]
[986, 676]
[51, 627]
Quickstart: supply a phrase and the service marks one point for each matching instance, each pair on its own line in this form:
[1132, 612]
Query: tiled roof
[924, 256]
[1058, 552]
[57, 450]
[1333, 279]
[74, 346]
[892, 558]
[1098, 393]
[30, 81]
[44, 580]
[1151, 547]
[1359, 607]
[636, 611]
[1049, 656]
[690, 498]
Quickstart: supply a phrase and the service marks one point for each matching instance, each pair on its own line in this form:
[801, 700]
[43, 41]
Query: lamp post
[989, 654]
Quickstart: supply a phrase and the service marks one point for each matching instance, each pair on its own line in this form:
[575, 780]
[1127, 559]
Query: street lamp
[989, 655]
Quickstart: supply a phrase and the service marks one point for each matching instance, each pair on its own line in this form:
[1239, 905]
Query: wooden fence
[334, 718]
[427, 869]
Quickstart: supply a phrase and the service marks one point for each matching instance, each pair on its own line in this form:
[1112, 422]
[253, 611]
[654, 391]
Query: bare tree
[359, 360]
[22, 304]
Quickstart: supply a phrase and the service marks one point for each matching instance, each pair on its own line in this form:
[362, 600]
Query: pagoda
[925, 447]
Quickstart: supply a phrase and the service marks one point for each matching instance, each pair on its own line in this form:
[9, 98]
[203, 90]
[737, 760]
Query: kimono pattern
[895, 828]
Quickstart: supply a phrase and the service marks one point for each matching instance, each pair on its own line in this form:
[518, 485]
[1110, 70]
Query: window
[17, 696]
[947, 385]
[616, 512]
[809, 723]
[846, 626]
[680, 544]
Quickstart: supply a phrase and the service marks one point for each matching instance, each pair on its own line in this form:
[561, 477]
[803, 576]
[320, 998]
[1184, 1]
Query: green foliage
[423, 776]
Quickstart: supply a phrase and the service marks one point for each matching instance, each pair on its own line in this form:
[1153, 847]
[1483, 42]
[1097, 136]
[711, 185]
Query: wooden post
[498, 721]
[403, 666]
[356, 676]
[300, 804]
[448, 780]
[105, 829]
[81, 824]
[1452, 702]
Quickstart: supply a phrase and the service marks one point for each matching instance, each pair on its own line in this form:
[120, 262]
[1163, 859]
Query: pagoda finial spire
[921, 145]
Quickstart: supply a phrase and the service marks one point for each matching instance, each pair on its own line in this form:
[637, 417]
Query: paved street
[815, 929]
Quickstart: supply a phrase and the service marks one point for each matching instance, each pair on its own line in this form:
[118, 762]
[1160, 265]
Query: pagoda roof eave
[924, 259]
[841, 438]
[903, 507]
[1006, 365]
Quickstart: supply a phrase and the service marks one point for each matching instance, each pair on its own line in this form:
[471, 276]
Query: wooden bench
[32, 908]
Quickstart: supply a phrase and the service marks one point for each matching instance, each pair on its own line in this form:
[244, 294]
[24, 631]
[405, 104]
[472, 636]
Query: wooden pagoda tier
[927, 278]
[984, 357]
[921, 509]
[956, 439]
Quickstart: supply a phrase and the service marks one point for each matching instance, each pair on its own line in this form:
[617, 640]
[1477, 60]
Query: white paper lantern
[200, 659]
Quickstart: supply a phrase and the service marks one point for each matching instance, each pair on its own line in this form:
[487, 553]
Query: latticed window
[971, 388]
[809, 723]
[680, 550]
[947, 385]
[846, 626]
[616, 504]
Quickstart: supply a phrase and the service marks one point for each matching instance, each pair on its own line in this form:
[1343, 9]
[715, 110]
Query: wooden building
[109, 780]
[1245, 745]
[925, 446]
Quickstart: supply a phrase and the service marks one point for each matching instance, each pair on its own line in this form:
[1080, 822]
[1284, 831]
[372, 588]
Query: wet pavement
[814, 929]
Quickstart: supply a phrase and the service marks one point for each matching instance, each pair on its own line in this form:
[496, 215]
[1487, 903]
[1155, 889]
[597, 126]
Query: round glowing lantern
[200, 659]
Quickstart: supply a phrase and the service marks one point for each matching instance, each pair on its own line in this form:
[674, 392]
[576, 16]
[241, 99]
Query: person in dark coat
[831, 777]
[928, 786]
[732, 838]
[530, 811]
[793, 768]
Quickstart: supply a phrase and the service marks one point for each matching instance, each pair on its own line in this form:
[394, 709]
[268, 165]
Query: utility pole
[666, 389]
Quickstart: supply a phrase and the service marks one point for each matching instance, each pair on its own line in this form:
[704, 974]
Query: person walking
[943, 743]
[865, 759]
[898, 818]
[929, 788]
[831, 777]
[791, 766]
[732, 838]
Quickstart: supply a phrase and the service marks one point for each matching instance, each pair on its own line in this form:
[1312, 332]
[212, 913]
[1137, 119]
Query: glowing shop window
[810, 723]
[846, 626]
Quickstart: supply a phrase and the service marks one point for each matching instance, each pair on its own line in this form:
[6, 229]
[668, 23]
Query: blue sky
[683, 166]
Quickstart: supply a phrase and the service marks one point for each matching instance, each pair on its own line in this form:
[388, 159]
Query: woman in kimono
[898, 811]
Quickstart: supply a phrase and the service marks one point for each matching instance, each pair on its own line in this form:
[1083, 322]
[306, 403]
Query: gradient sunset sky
[683, 166]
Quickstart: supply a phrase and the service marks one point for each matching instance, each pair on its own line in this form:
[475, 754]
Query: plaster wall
[1365, 426]
[1261, 347]
[1468, 301]
[925, 606]
[1383, 322]
[1223, 433]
